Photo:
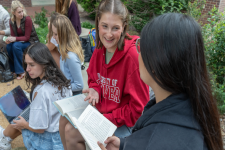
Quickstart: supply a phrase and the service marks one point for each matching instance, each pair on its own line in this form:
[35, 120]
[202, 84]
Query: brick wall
[208, 6]
[7, 3]
[222, 5]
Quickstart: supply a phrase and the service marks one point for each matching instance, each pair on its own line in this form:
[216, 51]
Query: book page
[88, 137]
[76, 113]
[100, 127]
[71, 103]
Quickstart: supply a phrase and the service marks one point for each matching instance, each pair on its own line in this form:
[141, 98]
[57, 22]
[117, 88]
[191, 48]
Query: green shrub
[41, 19]
[214, 37]
[89, 6]
[195, 10]
[42, 34]
[6, 8]
[87, 25]
[219, 94]
[141, 10]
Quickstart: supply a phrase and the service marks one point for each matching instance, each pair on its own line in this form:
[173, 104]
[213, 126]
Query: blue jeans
[123, 131]
[15, 51]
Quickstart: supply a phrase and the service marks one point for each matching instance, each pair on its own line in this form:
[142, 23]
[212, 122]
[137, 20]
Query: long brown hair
[53, 16]
[115, 7]
[172, 50]
[62, 6]
[42, 56]
[68, 38]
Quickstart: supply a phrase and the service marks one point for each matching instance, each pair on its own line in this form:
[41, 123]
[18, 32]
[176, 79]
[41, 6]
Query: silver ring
[93, 99]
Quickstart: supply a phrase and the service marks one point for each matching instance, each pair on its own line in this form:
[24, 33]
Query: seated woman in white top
[48, 85]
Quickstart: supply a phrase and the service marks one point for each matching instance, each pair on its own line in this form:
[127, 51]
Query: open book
[92, 125]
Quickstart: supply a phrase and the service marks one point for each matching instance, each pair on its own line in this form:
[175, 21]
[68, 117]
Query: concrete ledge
[84, 32]
[42, 2]
[80, 9]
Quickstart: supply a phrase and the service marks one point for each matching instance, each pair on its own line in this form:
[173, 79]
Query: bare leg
[74, 139]
[11, 132]
[62, 125]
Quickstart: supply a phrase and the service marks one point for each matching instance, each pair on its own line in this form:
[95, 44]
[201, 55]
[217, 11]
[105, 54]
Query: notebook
[14, 104]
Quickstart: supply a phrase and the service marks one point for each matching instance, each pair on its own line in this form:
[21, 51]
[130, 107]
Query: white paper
[89, 138]
[100, 127]
[76, 113]
[72, 103]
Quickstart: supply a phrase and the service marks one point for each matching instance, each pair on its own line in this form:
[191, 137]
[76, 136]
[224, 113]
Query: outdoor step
[42, 2]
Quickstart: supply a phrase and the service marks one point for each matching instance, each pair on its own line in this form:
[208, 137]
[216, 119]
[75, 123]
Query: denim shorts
[42, 141]
[123, 131]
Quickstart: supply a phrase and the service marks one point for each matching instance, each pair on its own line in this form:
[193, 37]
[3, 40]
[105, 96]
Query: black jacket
[167, 125]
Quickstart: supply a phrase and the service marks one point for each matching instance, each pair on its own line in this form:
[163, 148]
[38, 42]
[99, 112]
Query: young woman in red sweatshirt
[115, 87]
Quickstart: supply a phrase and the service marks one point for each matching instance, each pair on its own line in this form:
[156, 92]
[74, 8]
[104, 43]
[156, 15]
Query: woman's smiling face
[110, 29]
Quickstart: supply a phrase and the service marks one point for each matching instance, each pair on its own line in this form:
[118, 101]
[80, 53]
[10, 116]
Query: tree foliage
[141, 11]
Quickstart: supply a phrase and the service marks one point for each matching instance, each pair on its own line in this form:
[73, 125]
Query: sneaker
[4, 143]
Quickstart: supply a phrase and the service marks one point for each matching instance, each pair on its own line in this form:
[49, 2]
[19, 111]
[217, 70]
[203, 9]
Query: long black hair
[42, 56]
[172, 50]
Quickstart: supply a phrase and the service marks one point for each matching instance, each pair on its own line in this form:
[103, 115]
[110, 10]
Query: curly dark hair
[42, 56]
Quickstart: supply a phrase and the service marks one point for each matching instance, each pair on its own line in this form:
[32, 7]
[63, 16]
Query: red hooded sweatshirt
[122, 94]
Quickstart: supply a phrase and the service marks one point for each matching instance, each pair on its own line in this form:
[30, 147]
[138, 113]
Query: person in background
[183, 115]
[115, 86]
[71, 53]
[52, 44]
[22, 35]
[4, 24]
[69, 8]
[48, 84]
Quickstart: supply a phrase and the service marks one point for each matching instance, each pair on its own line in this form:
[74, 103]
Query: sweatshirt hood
[118, 55]
[178, 106]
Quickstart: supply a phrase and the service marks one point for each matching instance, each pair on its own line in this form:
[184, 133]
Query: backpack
[5, 73]
[92, 36]
[86, 46]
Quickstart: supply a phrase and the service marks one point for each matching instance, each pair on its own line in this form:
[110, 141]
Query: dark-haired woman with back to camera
[48, 84]
[184, 114]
